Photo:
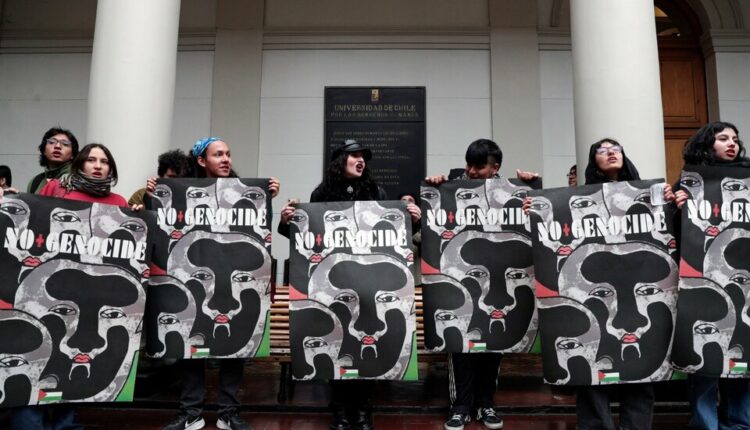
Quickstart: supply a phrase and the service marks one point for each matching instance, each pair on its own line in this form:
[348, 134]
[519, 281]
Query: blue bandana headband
[200, 146]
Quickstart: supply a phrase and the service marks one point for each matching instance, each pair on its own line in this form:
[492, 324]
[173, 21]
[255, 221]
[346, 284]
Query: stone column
[131, 89]
[616, 86]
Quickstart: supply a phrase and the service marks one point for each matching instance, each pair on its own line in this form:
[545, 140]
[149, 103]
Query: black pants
[473, 380]
[636, 407]
[351, 395]
[193, 396]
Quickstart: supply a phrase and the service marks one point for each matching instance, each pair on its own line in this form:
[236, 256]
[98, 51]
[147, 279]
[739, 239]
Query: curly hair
[175, 160]
[699, 148]
[334, 184]
[195, 170]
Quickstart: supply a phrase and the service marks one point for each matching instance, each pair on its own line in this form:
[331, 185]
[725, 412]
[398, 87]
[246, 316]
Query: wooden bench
[280, 351]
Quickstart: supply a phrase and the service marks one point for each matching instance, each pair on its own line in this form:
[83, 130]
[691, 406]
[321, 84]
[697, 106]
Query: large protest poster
[712, 334]
[351, 308]
[72, 298]
[606, 282]
[210, 289]
[477, 268]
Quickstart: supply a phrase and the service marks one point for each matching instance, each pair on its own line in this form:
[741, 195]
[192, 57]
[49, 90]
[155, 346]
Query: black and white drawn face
[93, 314]
[624, 199]
[229, 276]
[502, 289]
[319, 334]
[169, 318]
[14, 214]
[233, 193]
[703, 333]
[25, 348]
[110, 222]
[372, 216]
[631, 289]
[376, 311]
[448, 310]
[727, 264]
[574, 336]
[502, 193]
[694, 185]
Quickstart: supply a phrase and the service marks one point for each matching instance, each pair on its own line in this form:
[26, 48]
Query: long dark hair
[594, 175]
[699, 148]
[51, 132]
[334, 183]
[80, 159]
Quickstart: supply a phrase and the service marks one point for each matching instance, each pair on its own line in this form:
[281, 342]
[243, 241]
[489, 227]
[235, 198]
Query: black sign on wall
[388, 120]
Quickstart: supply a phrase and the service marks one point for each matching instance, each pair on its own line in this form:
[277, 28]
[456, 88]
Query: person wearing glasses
[56, 153]
[572, 176]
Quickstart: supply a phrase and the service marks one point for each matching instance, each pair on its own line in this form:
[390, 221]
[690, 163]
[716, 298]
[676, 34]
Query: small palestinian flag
[49, 396]
[198, 352]
[349, 373]
[477, 346]
[737, 367]
[607, 378]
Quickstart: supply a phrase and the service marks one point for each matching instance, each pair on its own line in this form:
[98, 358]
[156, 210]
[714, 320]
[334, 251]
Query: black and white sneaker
[457, 422]
[489, 418]
[232, 421]
[186, 422]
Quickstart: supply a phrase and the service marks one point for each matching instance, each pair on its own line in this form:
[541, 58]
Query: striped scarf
[85, 184]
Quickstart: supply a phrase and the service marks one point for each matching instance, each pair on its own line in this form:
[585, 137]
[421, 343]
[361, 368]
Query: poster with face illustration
[712, 333]
[351, 310]
[72, 298]
[477, 269]
[606, 282]
[210, 286]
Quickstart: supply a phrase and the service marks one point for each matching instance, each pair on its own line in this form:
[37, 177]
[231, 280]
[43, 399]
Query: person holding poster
[716, 402]
[473, 377]
[346, 179]
[608, 163]
[211, 158]
[90, 178]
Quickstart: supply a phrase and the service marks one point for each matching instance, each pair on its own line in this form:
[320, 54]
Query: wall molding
[554, 39]
[278, 39]
[714, 41]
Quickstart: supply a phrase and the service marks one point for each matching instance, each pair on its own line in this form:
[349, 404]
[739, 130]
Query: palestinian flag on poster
[349, 373]
[198, 352]
[477, 346]
[609, 377]
[49, 396]
[737, 367]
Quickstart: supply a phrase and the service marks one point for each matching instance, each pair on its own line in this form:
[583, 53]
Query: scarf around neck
[86, 184]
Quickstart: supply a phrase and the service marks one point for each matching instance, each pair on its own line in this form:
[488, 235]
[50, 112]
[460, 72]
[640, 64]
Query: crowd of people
[89, 173]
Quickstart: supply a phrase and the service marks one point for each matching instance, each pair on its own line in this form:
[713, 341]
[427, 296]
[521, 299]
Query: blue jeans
[58, 417]
[733, 411]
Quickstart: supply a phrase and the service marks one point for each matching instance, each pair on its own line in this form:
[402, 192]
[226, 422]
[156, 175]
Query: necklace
[350, 189]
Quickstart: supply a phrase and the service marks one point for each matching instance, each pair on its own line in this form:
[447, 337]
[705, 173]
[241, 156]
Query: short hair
[80, 159]
[699, 148]
[5, 173]
[51, 132]
[175, 160]
[479, 152]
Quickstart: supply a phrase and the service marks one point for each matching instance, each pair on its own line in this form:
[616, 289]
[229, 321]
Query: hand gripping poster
[477, 268]
[712, 336]
[210, 286]
[351, 309]
[72, 299]
[605, 261]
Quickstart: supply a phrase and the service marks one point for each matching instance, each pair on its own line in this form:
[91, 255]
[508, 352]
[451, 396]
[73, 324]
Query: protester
[572, 176]
[172, 164]
[716, 402]
[473, 377]
[56, 151]
[6, 180]
[347, 178]
[211, 158]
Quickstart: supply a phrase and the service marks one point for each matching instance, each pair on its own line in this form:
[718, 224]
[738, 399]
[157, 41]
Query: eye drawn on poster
[78, 297]
[606, 283]
[476, 249]
[210, 293]
[713, 325]
[352, 312]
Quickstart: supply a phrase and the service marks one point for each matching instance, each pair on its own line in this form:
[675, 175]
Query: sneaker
[489, 418]
[232, 421]
[186, 422]
[340, 421]
[457, 422]
[364, 420]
